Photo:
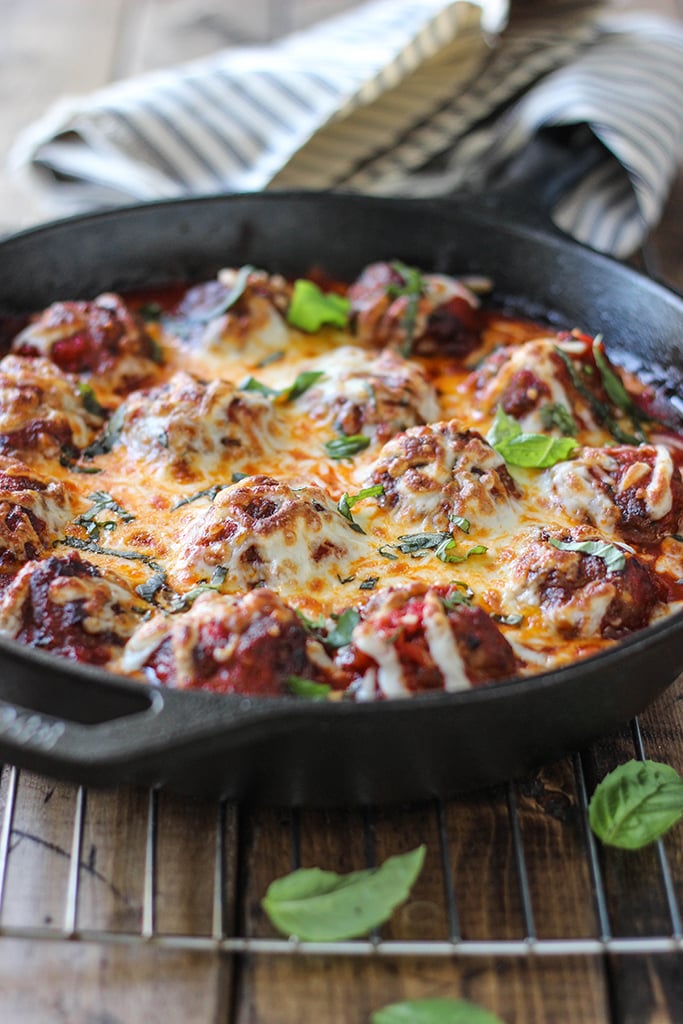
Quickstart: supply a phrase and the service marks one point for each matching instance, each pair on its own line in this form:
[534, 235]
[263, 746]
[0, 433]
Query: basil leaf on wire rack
[636, 803]
[434, 1011]
[322, 906]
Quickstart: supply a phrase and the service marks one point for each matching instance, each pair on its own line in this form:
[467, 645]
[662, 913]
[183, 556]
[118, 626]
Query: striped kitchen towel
[397, 97]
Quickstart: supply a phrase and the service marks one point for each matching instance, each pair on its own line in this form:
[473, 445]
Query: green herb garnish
[555, 414]
[89, 400]
[68, 457]
[601, 411]
[322, 906]
[208, 492]
[508, 620]
[347, 501]
[532, 451]
[101, 502]
[412, 287]
[345, 624]
[612, 556]
[346, 445]
[636, 803]
[369, 584]
[301, 687]
[310, 307]
[109, 436]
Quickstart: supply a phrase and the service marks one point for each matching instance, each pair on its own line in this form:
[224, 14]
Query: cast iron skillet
[80, 723]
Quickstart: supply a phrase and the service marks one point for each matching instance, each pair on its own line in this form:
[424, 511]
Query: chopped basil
[413, 288]
[91, 545]
[636, 803]
[612, 556]
[109, 436]
[151, 587]
[303, 382]
[677, 536]
[345, 579]
[340, 636]
[508, 620]
[67, 459]
[418, 544]
[386, 552]
[455, 598]
[273, 357]
[555, 414]
[532, 451]
[312, 625]
[599, 408]
[614, 386]
[460, 521]
[301, 687]
[101, 502]
[208, 492]
[89, 400]
[347, 501]
[346, 445]
[322, 906]
[440, 1010]
[369, 584]
[310, 307]
[236, 478]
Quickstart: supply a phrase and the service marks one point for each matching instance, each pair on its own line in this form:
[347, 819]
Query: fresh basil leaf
[611, 381]
[532, 451]
[636, 803]
[67, 459]
[310, 307]
[612, 556]
[410, 543]
[109, 436]
[455, 598]
[346, 445]
[555, 414]
[311, 625]
[308, 688]
[230, 298]
[340, 636]
[102, 501]
[151, 587]
[322, 906]
[252, 384]
[434, 1011]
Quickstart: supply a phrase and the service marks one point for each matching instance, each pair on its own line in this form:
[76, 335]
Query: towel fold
[397, 97]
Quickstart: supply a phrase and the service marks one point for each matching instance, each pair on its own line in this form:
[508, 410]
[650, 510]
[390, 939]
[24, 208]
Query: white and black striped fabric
[398, 97]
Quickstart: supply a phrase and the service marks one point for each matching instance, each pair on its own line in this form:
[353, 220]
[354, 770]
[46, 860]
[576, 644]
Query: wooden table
[148, 904]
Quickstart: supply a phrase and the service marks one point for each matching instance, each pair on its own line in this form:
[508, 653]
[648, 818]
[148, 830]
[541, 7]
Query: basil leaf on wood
[346, 445]
[310, 307]
[531, 451]
[636, 803]
[612, 556]
[322, 906]
[308, 688]
[434, 1011]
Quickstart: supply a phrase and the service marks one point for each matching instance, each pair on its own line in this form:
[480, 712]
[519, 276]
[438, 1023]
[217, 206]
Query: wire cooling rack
[221, 937]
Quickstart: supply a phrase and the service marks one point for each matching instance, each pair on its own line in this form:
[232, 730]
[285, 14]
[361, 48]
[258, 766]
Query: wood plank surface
[509, 864]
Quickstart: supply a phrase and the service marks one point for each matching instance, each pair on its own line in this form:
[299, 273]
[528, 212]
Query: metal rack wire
[220, 938]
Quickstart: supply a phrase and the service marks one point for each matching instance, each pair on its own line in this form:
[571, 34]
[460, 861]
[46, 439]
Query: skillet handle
[530, 186]
[74, 724]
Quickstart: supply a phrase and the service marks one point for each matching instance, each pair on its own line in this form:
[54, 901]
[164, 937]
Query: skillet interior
[91, 728]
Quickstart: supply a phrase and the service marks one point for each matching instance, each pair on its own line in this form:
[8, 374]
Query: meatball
[67, 606]
[395, 305]
[249, 645]
[265, 532]
[41, 408]
[377, 397]
[579, 592]
[433, 473]
[33, 510]
[415, 639]
[627, 492]
[102, 338]
[187, 427]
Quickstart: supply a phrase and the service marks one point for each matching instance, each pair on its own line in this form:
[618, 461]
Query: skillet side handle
[554, 161]
[132, 747]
